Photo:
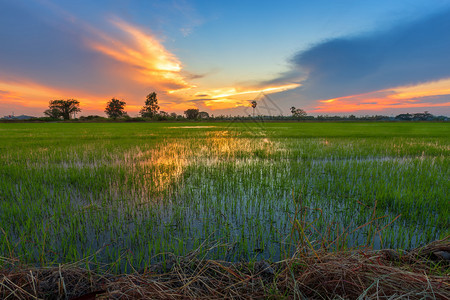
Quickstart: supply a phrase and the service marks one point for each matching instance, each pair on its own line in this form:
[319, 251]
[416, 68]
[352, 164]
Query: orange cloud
[22, 94]
[34, 95]
[399, 97]
[150, 62]
[435, 88]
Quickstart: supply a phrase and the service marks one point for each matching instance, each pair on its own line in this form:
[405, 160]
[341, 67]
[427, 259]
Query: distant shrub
[136, 119]
[47, 119]
[95, 118]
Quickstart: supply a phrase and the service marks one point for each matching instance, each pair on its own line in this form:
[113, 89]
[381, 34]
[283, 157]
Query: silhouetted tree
[115, 108]
[192, 113]
[66, 108]
[292, 109]
[161, 116]
[203, 115]
[151, 107]
[253, 103]
[53, 113]
[298, 112]
[404, 117]
[423, 116]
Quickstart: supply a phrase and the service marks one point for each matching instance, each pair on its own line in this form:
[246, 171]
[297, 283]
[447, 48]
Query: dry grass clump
[364, 274]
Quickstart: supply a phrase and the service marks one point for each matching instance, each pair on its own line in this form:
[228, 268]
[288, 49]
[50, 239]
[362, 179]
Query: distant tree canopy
[150, 109]
[115, 109]
[91, 118]
[192, 113]
[425, 116]
[203, 115]
[63, 108]
[53, 113]
[298, 112]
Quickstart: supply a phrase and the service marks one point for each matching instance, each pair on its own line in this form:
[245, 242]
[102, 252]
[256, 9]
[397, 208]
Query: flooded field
[128, 194]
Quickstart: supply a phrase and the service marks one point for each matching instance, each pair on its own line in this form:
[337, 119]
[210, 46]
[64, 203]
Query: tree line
[115, 109]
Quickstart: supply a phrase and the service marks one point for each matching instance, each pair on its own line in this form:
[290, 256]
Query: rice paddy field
[127, 194]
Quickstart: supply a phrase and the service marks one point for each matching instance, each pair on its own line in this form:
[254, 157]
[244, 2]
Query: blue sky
[328, 57]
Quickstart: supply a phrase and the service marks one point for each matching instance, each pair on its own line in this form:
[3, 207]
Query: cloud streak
[231, 97]
[26, 96]
[144, 54]
[424, 96]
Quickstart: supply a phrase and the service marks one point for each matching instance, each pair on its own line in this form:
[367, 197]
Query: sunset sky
[325, 56]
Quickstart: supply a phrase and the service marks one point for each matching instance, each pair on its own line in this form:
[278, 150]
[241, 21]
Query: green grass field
[127, 193]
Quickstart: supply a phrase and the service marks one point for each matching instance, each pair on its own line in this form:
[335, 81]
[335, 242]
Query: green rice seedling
[138, 190]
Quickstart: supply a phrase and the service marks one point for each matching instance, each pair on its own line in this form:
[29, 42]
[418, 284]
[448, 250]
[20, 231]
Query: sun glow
[228, 97]
[234, 92]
